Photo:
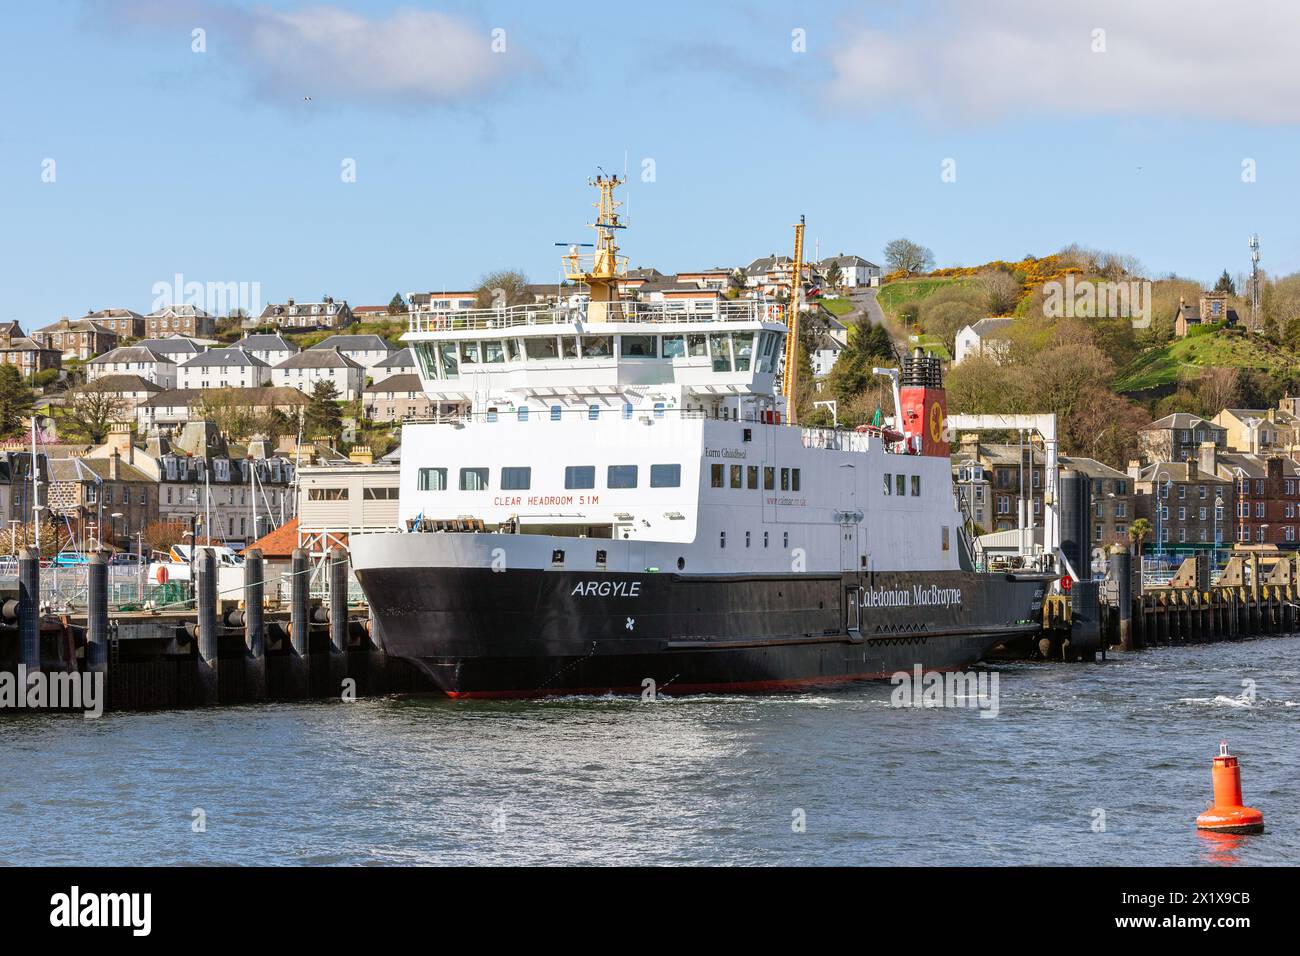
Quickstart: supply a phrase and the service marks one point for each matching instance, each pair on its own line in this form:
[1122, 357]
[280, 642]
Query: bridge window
[674, 346]
[736, 476]
[493, 352]
[512, 350]
[580, 476]
[639, 346]
[569, 346]
[540, 349]
[620, 476]
[743, 344]
[450, 363]
[715, 476]
[665, 476]
[720, 348]
[469, 353]
[473, 479]
[432, 479]
[597, 346]
[516, 479]
[697, 346]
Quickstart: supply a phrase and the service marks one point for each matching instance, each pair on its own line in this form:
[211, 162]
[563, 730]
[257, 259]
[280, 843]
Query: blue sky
[213, 165]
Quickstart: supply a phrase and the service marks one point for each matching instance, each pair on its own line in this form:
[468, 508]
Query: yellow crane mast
[791, 376]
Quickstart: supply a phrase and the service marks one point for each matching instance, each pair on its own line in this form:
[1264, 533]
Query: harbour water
[689, 780]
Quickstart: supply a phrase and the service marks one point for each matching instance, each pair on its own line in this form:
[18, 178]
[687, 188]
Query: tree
[15, 399]
[161, 535]
[834, 276]
[1225, 284]
[503, 288]
[1001, 292]
[396, 305]
[323, 416]
[1137, 533]
[91, 409]
[904, 255]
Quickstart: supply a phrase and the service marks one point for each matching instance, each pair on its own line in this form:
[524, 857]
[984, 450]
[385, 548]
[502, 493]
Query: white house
[401, 362]
[826, 350]
[987, 337]
[304, 370]
[131, 390]
[175, 348]
[134, 360]
[271, 349]
[366, 350]
[223, 368]
[855, 271]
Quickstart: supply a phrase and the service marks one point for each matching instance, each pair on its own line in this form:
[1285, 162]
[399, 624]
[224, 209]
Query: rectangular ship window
[580, 476]
[432, 479]
[715, 476]
[313, 494]
[769, 478]
[785, 479]
[473, 479]
[736, 476]
[665, 476]
[916, 486]
[379, 494]
[751, 477]
[516, 479]
[794, 479]
[900, 485]
[620, 476]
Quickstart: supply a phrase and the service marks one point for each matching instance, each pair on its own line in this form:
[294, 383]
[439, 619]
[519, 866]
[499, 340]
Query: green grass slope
[1181, 358]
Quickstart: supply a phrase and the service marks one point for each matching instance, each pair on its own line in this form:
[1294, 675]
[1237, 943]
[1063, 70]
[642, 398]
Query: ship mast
[606, 266]
[791, 377]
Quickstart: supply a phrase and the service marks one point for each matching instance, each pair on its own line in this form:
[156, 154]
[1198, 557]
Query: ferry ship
[613, 497]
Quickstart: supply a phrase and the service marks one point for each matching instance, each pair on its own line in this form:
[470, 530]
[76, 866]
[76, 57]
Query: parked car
[69, 559]
[125, 561]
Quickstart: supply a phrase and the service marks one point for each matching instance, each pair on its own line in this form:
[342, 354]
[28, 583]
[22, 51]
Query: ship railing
[673, 311]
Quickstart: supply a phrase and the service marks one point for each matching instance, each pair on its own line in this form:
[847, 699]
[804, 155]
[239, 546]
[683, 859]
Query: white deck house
[134, 360]
[304, 370]
[224, 368]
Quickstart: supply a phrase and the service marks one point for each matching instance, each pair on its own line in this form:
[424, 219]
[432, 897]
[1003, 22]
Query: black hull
[479, 633]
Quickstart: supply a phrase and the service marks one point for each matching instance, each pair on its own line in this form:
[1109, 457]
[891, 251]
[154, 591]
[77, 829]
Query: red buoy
[1228, 815]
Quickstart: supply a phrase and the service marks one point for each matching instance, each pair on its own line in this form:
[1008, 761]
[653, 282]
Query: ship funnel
[924, 404]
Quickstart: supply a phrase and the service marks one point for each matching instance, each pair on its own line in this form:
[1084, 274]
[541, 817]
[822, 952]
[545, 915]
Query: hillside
[1170, 363]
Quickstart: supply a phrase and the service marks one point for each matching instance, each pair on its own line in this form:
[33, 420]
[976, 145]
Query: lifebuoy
[161, 575]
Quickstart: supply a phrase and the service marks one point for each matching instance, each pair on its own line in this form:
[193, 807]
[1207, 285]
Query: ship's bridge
[684, 351]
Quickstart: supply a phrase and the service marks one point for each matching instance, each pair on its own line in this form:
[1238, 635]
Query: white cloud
[333, 54]
[1204, 59]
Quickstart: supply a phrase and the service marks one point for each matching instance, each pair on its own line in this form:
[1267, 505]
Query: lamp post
[1218, 516]
[1160, 508]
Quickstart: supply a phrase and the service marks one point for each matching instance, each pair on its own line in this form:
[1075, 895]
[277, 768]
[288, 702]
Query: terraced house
[82, 339]
[223, 368]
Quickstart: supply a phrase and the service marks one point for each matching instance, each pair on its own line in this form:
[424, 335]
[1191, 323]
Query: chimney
[1134, 469]
[1191, 469]
[114, 466]
[361, 455]
[970, 444]
[119, 439]
[1274, 466]
[1209, 458]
